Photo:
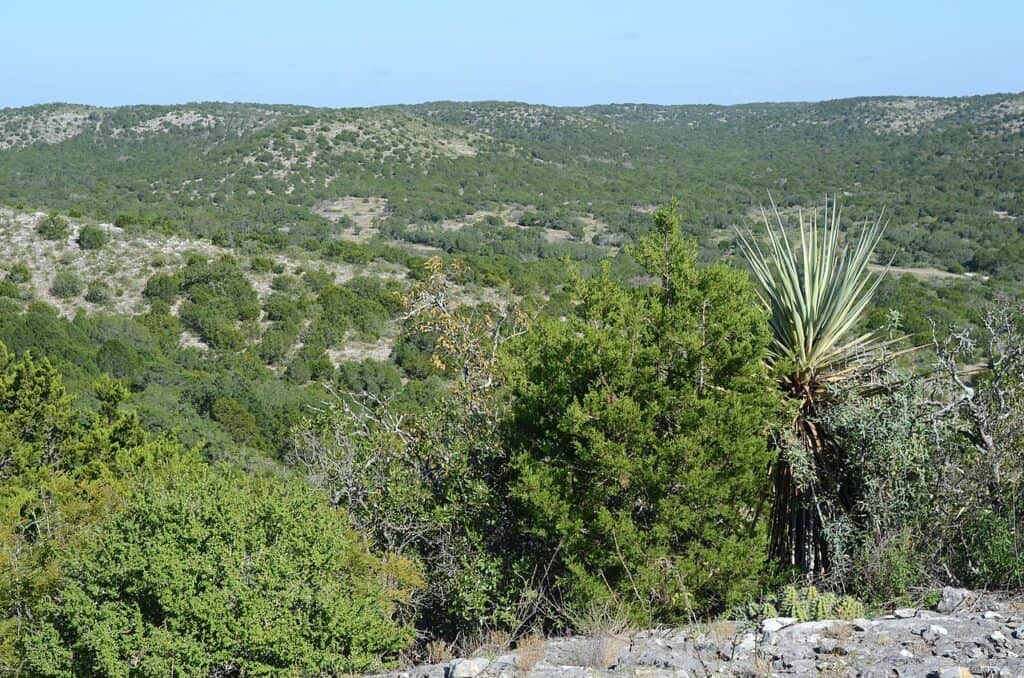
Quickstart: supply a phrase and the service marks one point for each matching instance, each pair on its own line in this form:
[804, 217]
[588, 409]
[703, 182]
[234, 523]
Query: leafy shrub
[238, 421]
[216, 572]
[92, 238]
[9, 289]
[119, 360]
[281, 307]
[220, 287]
[261, 264]
[64, 469]
[887, 459]
[98, 292]
[53, 227]
[161, 287]
[275, 344]
[18, 273]
[638, 432]
[424, 471]
[66, 284]
[211, 325]
[375, 377]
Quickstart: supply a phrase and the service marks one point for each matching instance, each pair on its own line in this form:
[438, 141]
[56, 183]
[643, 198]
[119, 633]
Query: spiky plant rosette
[815, 294]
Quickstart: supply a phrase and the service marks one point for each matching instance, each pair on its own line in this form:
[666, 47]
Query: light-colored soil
[19, 129]
[127, 261]
[363, 212]
[923, 272]
[186, 119]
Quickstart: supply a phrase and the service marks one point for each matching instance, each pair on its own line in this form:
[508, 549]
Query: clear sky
[110, 52]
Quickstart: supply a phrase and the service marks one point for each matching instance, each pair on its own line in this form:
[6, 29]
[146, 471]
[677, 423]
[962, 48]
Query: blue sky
[110, 52]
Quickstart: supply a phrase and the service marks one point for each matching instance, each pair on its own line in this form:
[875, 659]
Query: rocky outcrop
[964, 636]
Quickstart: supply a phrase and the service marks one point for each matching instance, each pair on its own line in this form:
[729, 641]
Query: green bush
[98, 292]
[216, 572]
[64, 470]
[211, 325]
[92, 238]
[639, 437]
[275, 345]
[161, 287]
[66, 284]
[9, 289]
[53, 227]
[19, 273]
[261, 264]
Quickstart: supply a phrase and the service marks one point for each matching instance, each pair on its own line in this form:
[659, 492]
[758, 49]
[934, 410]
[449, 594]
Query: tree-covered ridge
[947, 169]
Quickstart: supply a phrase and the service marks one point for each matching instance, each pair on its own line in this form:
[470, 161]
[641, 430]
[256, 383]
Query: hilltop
[574, 180]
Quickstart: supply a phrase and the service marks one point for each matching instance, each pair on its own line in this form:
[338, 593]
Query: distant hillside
[578, 181]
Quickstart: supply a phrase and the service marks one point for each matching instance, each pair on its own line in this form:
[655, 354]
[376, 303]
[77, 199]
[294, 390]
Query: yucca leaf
[815, 293]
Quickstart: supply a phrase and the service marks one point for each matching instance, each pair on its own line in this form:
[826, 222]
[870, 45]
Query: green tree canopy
[639, 428]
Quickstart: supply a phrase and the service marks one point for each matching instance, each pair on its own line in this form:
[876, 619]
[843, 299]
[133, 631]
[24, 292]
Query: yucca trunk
[800, 514]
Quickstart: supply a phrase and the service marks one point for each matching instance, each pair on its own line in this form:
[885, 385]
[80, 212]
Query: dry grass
[603, 653]
[439, 651]
[485, 643]
[530, 650]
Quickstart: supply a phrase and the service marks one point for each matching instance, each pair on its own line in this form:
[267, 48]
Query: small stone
[955, 672]
[934, 632]
[906, 653]
[997, 637]
[861, 624]
[952, 599]
[1019, 633]
[905, 612]
[776, 623]
[747, 643]
[990, 614]
[469, 668]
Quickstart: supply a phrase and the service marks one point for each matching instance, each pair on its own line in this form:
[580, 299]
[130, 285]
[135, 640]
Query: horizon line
[201, 102]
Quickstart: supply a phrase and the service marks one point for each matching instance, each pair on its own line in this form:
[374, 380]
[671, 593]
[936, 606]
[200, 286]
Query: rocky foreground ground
[966, 635]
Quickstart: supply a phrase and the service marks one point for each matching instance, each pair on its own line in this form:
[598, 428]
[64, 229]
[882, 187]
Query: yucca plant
[815, 293]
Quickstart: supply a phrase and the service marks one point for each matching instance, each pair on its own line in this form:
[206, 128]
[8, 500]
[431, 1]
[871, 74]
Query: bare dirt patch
[361, 212]
[50, 126]
[923, 272]
[187, 119]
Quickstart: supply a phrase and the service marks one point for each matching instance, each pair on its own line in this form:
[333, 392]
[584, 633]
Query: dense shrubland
[519, 467]
[550, 446]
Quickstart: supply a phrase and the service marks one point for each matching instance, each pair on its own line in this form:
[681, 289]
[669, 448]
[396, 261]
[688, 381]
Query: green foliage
[808, 604]
[815, 295]
[423, 470]
[216, 571]
[639, 434]
[161, 287]
[63, 470]
[53, 227]
[92, 237]
[18, 273]
[9, 288]
[98, 292]
[66, 284]
[888, 464]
